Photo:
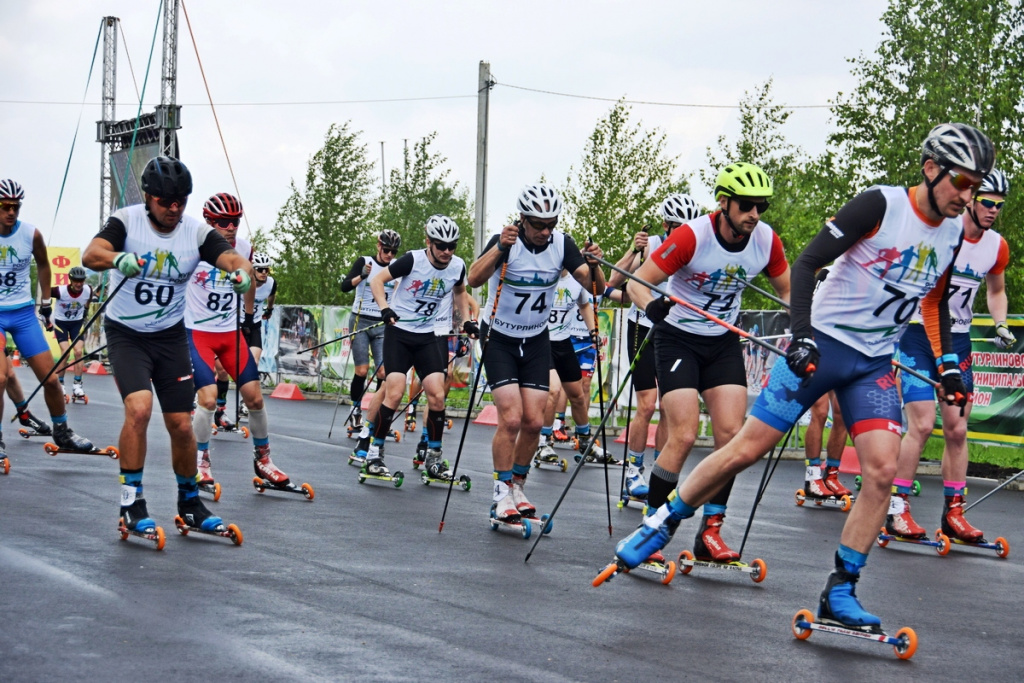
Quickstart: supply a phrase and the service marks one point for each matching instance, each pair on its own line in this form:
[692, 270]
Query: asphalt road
[359, 585]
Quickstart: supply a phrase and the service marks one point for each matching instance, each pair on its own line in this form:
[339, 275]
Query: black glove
[658, 309]
[389, 316]
[803, 357]
[45, 312]
[595, 338]
[248, 323]
[462, 348]
[953, 385]
[471, 328]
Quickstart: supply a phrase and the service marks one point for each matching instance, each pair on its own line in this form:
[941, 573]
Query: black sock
[722, 497]
[222, 390]
[435, 425]
[356, 391]
[382, 427]
[662, 483]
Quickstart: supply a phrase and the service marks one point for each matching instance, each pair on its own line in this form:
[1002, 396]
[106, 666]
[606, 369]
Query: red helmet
[222, 205]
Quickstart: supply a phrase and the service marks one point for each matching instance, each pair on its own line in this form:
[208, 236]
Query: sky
[273, 67]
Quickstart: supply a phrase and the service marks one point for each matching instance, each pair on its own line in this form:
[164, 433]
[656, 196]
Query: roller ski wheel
[410, 424]
[230, 428]
[356, 460]
[226, 530]
[941, 543]
[625, 499]
[28, 433]
[1000, 545]
[395, 436]
[463, 482]
[261, 485]
[610, 572]
[353, 432]
[211, 487]
[525, 526]
[758, 569]
[560, 463]
[904, 643]
[156, 536]
[110, 451]
[449, 423]
[656, 564]
[84, 400]
[5, 465]
[395, 478]
[844, 503]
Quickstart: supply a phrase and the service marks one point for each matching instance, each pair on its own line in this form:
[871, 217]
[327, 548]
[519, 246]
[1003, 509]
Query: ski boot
[525, 507]
[899, 523]
[504, 512]
[421, 453]
[558, 435]
[220, 420]
[374, 468]
[546, 455]
[636, 487]
[268, 476]
[358, 455]
[78, 393]
[832, 482]
[596, 454]
[5, 465]
[193, 516]
[410, 419]
[205, 480]
[644, 543]
[135, 521]
[960, 532]
[354, 425]
[243, 412]
[711, 552]
[32, 426]
[69, 442]
[818, 490]
[437, 471]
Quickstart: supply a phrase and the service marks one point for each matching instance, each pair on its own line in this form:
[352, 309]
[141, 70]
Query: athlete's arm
[777, 269]
[581, 270]
[495, 251]
[935, 311]
[105, 246]
[631, 260]
[995, 284]
[858, 218]
[355, 275]
[461, 309]
[398, 268]
[270, 301]
[42, 262]
[674, 253]
[55, 293]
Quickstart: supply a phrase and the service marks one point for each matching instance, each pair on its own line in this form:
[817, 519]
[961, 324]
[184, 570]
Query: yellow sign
[62, 260]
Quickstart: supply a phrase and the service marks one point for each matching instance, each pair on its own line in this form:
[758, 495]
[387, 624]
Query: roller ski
[560, 437]
[77, 395]
[410, 420]
[711, 552]
[5, 464]
[839, 611]
[205, 480]
[546, 455]
[511, 510]
[817, 490]
[135, 521]
[358, 434]
[437, 471]
[636, 488]
[69, 442]
[901, 527]
[421, 453]
[268, 477]
[374, 468]
[960, 532]
[32, 426]
[590, 451]
[646, 541]
[193, 516]
[357, 457]
[222, 424]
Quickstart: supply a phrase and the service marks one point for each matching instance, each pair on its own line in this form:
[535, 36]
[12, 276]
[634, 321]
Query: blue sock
[203, 446]
[503, 475]
[852, 561]
[679, 508]
[547, 431]
[132, 478]
[256, 441]
[583, 430]
[20, 407]
[59, 419]
[813, 462]
[433, 444]
[187, 487]
[520, 470]
[78, 378]
[829, 462]
[377, 442]
[636, 458]
[710, 509]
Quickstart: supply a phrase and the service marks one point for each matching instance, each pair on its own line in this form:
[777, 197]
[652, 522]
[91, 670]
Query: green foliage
[419, 190]
[623, 178]
[322, 228]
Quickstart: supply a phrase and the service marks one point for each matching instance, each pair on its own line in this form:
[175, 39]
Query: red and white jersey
[977, 258]
[908, 253]
[68, 306]
[702, 270]
[210, 301]
[635, 314]
[569, 295]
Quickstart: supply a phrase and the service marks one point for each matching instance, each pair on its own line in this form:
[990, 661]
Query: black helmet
[389, 239]
[77, 273]
[166, 177]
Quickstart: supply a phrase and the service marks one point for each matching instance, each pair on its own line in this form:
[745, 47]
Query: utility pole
[383, 180]
[110, 26]
[168, 114]
[484, 85]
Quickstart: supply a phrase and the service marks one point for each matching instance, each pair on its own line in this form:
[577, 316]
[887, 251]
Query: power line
[265, 104]
[657, 104]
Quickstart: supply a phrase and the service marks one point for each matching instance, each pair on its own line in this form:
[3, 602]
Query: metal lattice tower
[110, 27]
[168, 114]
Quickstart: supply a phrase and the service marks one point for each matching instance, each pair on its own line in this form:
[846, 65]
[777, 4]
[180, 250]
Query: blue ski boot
[654, 533]
[839, 604]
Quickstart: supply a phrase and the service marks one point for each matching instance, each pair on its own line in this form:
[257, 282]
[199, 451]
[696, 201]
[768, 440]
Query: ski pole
[74, 341]
[763, 292]
[238, 344]
[88, 355]
[583, 456]
[1003, 485]
[765, 478]
[341, 338]
[476, 383]
[355, 404]
[344, 369]
[596, 339]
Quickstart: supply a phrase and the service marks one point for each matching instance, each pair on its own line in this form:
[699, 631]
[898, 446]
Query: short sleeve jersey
[264, 292]
[565, 309]
[364, 303]
[425, 293]
[874, 288]
[211, 305]
[635, 314]
[15, 264]
[70, 307]
[708, 274]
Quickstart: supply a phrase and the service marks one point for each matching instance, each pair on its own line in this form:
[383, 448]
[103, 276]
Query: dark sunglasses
[10, 207]
[262, 270]
[445, 246]
[385, 250]
[226, 222]
[990, 203]
[748, 205]
[168, 202]
[537, 225]
[963, 182]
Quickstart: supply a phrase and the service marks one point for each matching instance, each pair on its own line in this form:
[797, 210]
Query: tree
[320, 229]
[623, 178]
[939, 61]
[419, 190]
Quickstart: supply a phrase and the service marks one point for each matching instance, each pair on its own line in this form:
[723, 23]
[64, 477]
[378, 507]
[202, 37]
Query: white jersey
[71, 307]
[263, 293]
[211, 305]
[155, 300]
[706, 279]
[908, 256]
[976, 260]
[565, 309]
[635, 314]
[364, 304]
[15, 264]
[528, 289]
[425, 294]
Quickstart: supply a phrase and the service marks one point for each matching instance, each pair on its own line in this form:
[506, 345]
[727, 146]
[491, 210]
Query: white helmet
[958, 144]
[442, 228]
[261, 260]
[11, 190]
[540, 201]
[995, 183]
[679, 208]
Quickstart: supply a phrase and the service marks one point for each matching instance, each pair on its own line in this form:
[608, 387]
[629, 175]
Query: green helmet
[740, 179]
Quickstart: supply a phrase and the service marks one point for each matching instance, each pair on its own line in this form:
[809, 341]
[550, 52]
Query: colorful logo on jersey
[434, 288]
[563, 297]
[72, 308]
[968, 273]
[211, 279]
[723, 278]
[910, 264]
[9, 256]
[162, 264]
[535, 281]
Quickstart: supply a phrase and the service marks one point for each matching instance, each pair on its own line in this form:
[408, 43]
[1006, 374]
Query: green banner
[997, 413]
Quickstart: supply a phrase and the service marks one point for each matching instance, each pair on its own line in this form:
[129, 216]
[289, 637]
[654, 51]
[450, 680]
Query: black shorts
[693, 361]
[509, 360]
[564, 361]
[143, 361]
[66, 330]
[255, 337]
[419, 350]
[645, 371]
